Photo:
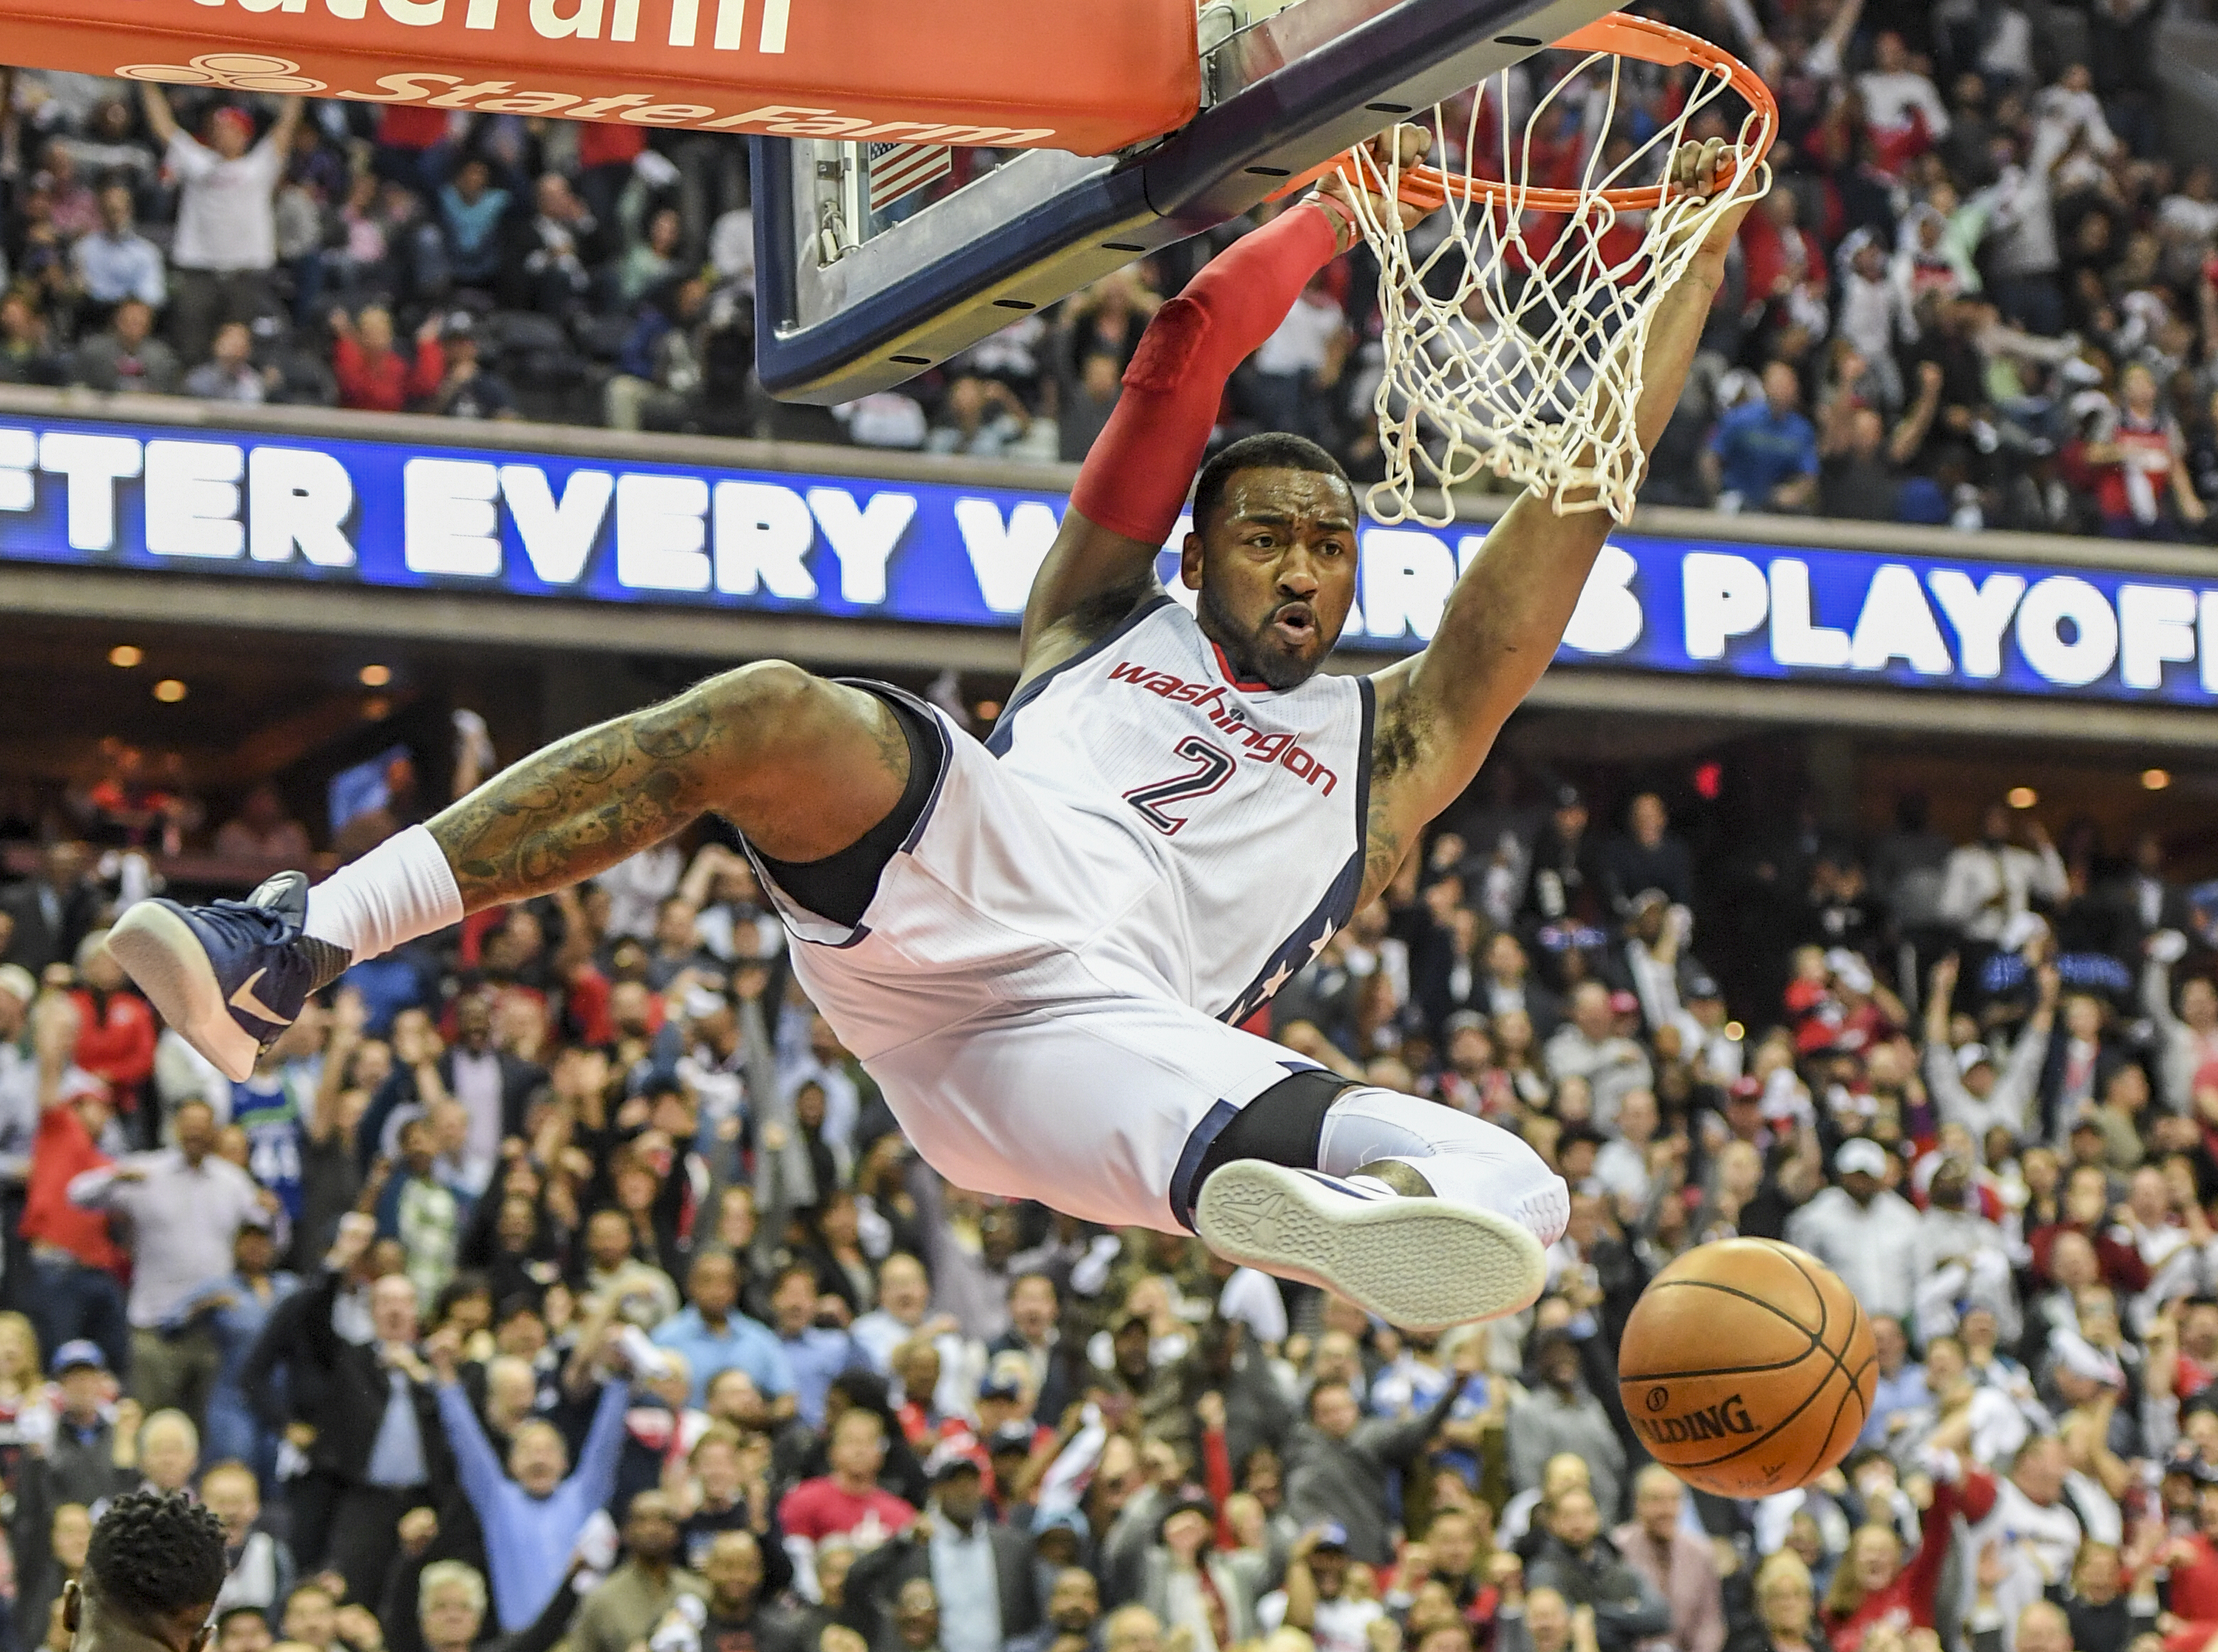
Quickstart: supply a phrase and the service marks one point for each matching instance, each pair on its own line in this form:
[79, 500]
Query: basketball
[1747, 1368]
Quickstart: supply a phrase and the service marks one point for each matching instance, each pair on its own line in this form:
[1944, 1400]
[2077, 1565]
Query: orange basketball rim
[1619, 34]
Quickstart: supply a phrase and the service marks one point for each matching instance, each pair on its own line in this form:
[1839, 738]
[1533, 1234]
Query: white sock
[402, 888]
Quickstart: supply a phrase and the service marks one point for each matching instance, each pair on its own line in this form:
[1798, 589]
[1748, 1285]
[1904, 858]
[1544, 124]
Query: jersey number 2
[1213, 768]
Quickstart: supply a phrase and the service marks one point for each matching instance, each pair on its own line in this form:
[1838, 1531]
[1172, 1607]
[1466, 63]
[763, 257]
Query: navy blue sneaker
[229, 977]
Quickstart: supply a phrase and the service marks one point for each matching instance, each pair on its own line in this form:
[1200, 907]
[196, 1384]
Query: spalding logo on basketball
[1747, 1368]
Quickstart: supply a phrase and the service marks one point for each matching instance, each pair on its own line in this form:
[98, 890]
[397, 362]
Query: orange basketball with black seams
[1747, 1368]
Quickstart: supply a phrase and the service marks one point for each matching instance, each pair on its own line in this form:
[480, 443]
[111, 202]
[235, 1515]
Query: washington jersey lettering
[1140, 826]
[1242, 805]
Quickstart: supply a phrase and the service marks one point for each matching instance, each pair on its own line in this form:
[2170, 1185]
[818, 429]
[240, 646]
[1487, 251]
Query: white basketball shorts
[1009, 988]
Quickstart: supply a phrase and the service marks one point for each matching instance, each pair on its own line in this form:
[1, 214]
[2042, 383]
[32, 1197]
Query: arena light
[2155, 780]
[125, 655]
[170, 690]
[374, 676]
[2021, 797]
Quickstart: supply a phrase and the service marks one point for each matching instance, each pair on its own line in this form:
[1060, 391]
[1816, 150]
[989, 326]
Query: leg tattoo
[581, 805]
[790, 759]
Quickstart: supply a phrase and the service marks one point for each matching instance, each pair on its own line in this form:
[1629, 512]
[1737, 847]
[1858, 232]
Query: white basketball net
[1518, 356]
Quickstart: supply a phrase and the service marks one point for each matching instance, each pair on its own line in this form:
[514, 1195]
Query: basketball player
[1040, 946]
[151, 1577]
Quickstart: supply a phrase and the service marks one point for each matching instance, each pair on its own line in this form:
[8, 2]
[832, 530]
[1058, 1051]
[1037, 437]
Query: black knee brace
[1284, 1125]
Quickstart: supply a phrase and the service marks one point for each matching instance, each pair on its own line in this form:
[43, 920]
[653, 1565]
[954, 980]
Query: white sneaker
[1420, 1263]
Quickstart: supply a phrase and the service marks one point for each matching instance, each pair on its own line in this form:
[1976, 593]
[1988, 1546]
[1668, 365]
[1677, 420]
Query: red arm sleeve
[1136, 479]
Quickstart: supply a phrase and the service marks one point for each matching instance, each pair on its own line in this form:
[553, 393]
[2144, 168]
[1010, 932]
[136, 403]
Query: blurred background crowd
[563, 1268]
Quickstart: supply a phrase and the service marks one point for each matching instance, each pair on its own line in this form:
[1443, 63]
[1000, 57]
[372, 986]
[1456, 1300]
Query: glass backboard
[877, 260]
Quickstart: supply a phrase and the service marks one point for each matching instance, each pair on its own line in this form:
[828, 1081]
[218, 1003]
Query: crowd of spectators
[1980, 291]
[253, 249]
[561, 1279]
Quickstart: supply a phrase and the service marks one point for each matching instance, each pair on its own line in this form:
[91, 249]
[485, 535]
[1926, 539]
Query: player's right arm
[1134, 482]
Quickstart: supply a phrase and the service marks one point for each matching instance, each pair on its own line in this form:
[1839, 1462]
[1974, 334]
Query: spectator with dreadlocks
[151, 1577]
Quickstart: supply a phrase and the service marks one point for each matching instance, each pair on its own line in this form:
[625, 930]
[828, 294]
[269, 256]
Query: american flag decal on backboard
[898, 169]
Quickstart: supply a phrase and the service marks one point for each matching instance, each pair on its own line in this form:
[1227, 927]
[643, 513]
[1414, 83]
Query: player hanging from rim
[1035, 945]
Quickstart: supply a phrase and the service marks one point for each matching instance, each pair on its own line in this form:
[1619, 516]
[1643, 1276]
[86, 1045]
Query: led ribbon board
[399, 514]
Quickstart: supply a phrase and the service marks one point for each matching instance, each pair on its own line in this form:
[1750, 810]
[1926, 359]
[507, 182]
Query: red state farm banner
[1087, 78]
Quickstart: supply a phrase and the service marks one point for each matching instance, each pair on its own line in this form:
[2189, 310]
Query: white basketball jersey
[1234, 812]
[1140, 826]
